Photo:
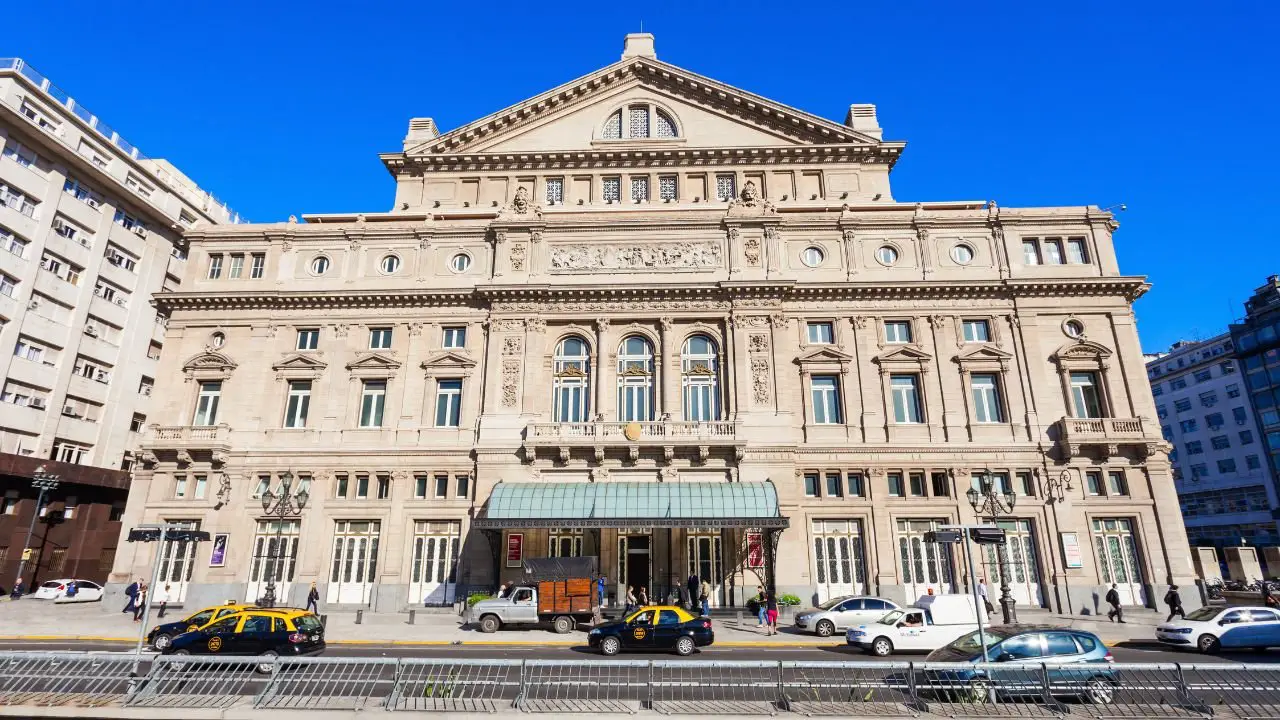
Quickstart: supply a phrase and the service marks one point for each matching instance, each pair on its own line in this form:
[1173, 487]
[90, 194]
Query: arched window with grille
[700, 379]
[572, 380]
[639, 121]
[635, 380]
[613, 127]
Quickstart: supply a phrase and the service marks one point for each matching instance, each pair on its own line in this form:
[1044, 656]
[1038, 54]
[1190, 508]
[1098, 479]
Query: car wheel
[1207, 644]
[684, 646]
[161, 641]
[882, 647]
[610, 646]
[562, 624]
[490, 624]
[1099, 691]
[267, 662]
[826, 628]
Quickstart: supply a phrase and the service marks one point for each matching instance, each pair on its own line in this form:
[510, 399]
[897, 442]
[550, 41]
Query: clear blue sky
[281, 107]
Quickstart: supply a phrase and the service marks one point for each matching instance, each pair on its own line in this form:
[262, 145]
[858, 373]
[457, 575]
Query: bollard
[412, 614]
[324, 620]
[359, 616]
[739, 617]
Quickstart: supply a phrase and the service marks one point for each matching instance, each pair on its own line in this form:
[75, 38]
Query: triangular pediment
[707, 113]
[983, 353]
[208, 361]
[824, 354]
[1082, 350]
[904, 353]
[373, 361]
[448, 360]
[298, 361]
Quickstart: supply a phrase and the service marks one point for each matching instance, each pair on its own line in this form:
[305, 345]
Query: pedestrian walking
[141, 600]
[313, 598]
[18, 588]
[642, 596]
[756, 606]
[771, 615]
[982, 592]
[1113, 599]
[162, 597]
[694, 587]
[631, 598]
[1174, 601]
[131, 592]
[704, 596]
[600, 582]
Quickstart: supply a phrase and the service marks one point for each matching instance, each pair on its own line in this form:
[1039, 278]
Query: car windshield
[831, 603]
[200, 618]
[51, 584]
[972, 642]
[307, 623]
[893, 617]
[1203, 614]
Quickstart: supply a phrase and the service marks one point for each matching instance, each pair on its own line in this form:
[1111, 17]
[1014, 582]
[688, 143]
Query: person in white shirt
[162, 597]
[982, 591]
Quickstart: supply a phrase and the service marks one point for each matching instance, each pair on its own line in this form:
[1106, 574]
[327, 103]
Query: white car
[843, 612]
[56, 590]
[1210, 629]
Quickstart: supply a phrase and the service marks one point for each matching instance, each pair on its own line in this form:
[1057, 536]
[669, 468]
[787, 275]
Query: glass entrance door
[355, 561]
[838, 562]
[1117, 552]
[634, 569]
[1022, 571]
[706, 560]
[273, 559]
[924, 565]
[177, 560]
[433, 576]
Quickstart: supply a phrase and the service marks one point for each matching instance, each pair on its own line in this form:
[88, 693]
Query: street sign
[987, 536]
[943, 536]
[26, 555]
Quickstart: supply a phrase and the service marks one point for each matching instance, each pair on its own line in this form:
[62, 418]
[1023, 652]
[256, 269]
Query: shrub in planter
[788, 600]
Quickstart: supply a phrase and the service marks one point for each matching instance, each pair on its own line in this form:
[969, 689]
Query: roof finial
[638, 45]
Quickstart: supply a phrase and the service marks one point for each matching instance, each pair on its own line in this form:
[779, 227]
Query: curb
[1110, 642]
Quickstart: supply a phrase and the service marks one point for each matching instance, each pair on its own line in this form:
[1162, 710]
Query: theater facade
[652, 318]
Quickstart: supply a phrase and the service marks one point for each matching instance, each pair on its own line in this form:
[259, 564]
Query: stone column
[605, 371]
[871, 383]
[670, 378]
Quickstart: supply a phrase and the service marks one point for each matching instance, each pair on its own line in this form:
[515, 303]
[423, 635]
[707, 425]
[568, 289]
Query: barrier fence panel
[320, 683]
[1243, 691]
[880, 689]
[693, 687]
[177, 681]
[584, 686]
[70, 679]
[424, 685]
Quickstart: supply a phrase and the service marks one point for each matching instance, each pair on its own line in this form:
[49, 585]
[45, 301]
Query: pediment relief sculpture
[448, 362]
[1081, 350]
[299, 362]
[750, 202]
[636, 256]
[373, 365]
[208, 366]
[904, 354]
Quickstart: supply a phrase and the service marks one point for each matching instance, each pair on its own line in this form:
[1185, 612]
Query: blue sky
[281, 107]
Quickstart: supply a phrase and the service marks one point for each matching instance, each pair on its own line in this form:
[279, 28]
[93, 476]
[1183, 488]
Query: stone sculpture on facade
[649, 256]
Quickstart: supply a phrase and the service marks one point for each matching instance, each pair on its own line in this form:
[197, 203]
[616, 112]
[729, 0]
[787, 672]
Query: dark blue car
[1077, 663]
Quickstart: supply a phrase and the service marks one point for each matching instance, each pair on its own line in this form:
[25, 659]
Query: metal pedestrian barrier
[1101, 691]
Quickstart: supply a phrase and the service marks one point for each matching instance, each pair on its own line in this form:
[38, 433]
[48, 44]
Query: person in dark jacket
[313, 599]
[694, 587]
[1113, 599]
[771, 614]
[1174, 601]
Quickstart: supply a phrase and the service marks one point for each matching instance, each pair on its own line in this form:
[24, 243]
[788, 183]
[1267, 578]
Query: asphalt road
[1129, 652]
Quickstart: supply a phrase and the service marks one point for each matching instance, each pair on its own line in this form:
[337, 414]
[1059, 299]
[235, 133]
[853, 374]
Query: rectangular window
[138, 422]
[362, 487]
[941, 485]
[373, 400]
[1226, 466]
[555, 191]
[855, 485]
[977, 331]
[906, 398]
[215, 267]
[1076, 252]
[1157, 390]
[129, 222]
[986, 399]
[1188, 426]
[1228, 367]
[896, 487]
[1093, 483]
[380, 339]
[259, 264]
[1179, 383]
[180, 486]
[726, 188]
[1246, 437]
[340, 487]
[442, 486]
[1052, 251]
[17, 201]
[19, 153]
[1194, 447]
[667, 188]
[1203, 375]
[835, 485]
[826, 400]
[308, 339]
[420, 486]
[1085, 396]
[202, 486]
[916, 481]
[811, 488]
[464, 486]
[1116, 484]
[1182, 405]
[384, 487]
[897, 331]
[1220, 442]
[237, 267]
[1252, 462]
[1030, 252]
[207, 403]
[639, 189]
[448, 403]
[821, 333]
[455, 336]
[68, 453]
[1026, 484]
[1239, 415]
[612, 189]
[79, 191]
[299, 402]
[1213, 420]
[12, 243]
[8, 286]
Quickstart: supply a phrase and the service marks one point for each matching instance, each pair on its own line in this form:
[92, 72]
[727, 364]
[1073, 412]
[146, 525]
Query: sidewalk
[33, 620]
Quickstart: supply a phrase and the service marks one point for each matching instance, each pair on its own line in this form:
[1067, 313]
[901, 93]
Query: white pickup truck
[932, 622]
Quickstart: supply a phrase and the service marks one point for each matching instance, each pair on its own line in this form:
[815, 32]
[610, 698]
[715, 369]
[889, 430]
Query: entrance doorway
[705, 560]
[634, 567]
[355, 561]
[1020, 566]
[434, 574]
[926, 566]
[1117, 552]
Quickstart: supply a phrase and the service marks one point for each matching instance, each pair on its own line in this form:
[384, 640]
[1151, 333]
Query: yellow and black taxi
[163, 634]
[265, 633]
[655, 627]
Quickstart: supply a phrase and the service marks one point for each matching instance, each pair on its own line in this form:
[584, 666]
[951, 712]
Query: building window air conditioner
[91, 331]
[70, 411]
[102, 376]
[140, 230]
[37, 403]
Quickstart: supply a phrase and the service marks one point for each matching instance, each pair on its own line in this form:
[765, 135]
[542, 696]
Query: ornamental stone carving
[513, 345]
[749, 202]
[510, 378]
[650, 256]
[760, 380]
[517, 256]
[340, 330]
[758, 343]
[860, 322]
[667, 324]
[520, 206]
[507, 325]
[751, 250]
[536, 325]
[750, 321]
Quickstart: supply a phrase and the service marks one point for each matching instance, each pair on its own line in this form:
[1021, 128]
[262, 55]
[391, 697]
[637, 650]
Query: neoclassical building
[653, 318]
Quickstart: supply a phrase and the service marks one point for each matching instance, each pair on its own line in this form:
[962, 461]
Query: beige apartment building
[653, 318]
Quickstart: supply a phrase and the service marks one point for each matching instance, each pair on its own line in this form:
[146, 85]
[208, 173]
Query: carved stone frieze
[751, 251]
[757, 343]
[508, 325]
[636, 256]
[512, 345]
[510, 381]
[536, 324]
[760, 380]
[517, 256]
[750, 203]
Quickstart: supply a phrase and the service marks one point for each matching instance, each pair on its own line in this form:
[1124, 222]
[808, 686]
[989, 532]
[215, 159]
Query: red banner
[515, 549]
[755, 550]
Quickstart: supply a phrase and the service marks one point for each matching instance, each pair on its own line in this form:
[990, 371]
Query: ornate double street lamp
[994, 503]
[279, 508]
[43, 482]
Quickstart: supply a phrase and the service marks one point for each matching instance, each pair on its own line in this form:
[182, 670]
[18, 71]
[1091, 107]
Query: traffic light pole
[978, 606]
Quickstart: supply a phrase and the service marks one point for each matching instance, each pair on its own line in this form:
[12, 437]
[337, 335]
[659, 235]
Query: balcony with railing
[1075, 434]
[185, 443]
[634, 436]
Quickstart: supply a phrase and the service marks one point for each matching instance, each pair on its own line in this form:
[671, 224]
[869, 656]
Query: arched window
[635, 380]
[700, 379]
[613, 127]
[666, 126]
[639, 121]
[572, 380]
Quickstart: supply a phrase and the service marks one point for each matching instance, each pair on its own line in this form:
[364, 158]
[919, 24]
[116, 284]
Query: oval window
[460, 262]
[812, 256]
[1073, 328]
[217, 339]
[887, 255]
[962, 254]
[390, 264]
[320, 265]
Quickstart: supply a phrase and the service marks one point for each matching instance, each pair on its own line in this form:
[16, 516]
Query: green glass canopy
[631, 504]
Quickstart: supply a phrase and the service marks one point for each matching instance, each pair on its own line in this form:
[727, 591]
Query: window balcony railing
[1111, 433]
[181, 442]
[658, 432]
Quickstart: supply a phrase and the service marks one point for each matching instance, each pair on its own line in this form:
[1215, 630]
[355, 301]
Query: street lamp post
[993, 503]
[43, 482]
[279, 508]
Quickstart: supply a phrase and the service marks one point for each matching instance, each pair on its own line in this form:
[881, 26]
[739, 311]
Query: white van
[930, 623]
